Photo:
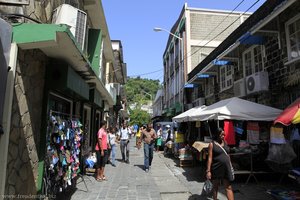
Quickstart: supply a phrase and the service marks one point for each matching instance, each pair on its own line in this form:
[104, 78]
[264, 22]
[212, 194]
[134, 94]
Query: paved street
[166, 180]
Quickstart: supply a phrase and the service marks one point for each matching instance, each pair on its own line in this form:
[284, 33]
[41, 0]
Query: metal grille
[80, 28]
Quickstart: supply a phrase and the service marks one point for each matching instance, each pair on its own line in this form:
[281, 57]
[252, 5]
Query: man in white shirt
[123, 136]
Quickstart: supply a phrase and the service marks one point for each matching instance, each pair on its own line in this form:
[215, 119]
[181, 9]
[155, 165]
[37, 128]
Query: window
[226, 81]
[253, 60]
[209, 89]
[292, 28]
[171, 61]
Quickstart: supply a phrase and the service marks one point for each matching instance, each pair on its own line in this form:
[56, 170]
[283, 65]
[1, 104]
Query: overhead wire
[218, 24]
[203, 39]
[222, 30]
[146, 73]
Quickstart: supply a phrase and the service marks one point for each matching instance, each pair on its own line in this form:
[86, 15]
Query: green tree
[138, 116]
[137, 89]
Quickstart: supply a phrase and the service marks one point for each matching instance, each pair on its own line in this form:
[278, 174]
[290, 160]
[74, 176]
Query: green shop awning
[58, 42]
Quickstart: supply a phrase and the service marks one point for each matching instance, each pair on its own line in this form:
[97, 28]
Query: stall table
[251, 172]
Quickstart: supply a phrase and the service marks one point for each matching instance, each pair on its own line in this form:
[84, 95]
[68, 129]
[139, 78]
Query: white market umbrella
[184, 117]
[236, 109]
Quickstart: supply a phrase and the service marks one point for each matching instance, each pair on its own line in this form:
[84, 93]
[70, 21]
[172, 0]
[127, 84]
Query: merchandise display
[62, 163]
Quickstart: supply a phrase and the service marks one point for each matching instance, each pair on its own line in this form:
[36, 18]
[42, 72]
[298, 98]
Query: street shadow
[195, 172]
[67, 194]
[140, 166]
[198, 197]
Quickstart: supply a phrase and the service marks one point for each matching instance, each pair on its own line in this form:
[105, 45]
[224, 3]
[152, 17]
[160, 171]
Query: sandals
[99, 179]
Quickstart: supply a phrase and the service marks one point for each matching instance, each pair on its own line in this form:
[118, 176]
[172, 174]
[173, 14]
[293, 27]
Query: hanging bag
[207, 188]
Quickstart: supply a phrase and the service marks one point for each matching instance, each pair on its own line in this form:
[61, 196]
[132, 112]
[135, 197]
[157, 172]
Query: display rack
[62, 160]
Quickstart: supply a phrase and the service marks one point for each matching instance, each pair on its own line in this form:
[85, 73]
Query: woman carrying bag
[219, 165]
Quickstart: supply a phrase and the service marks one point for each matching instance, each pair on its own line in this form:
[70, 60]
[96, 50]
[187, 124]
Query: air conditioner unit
[74, 18]
[257, 82]
[239, 88]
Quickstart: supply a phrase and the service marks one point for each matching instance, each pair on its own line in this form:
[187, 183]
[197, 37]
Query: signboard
[15, 1]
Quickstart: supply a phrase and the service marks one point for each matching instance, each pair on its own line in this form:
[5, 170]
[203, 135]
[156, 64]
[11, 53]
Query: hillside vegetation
[140, 90]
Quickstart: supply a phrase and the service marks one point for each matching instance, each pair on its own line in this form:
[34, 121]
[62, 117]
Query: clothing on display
[276, 135]
[229, 132]
[295, 135]
[64, 137]
[253, 133]
[238, 127]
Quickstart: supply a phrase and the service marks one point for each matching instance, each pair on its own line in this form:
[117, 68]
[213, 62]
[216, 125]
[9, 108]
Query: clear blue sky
[132, 22]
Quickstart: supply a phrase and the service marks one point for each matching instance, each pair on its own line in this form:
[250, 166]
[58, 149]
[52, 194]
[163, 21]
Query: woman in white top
[112, 143]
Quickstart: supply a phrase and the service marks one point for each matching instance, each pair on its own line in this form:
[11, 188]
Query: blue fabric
[89, 163]
[148, 154]
[113, 154]
[124, 149]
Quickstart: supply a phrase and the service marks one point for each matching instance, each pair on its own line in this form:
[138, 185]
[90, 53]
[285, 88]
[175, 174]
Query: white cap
[168, 126]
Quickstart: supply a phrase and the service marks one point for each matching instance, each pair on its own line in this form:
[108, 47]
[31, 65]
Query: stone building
[194, 35]
[59, 62]
[259, 61]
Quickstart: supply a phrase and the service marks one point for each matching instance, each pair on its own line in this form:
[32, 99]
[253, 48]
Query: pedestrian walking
[108, 130]
[148, 136]
[219, 166]
[123, 136]
[138, 138]
[112, 143]
[101, 151]
[159, 139]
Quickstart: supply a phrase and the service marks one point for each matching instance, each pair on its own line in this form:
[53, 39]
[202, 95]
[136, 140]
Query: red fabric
[289, 114]
[229, 132]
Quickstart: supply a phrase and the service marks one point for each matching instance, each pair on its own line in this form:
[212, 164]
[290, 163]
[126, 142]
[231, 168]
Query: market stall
[247, 127]
[290, 151]
[236, 109]
[184, 117]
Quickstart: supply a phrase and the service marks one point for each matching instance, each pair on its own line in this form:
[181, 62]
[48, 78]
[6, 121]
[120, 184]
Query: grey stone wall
[24, 140]
[38, 10]
[205, 24]
[198, 54]
[281, 91]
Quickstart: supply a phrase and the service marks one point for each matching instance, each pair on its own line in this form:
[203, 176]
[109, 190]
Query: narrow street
[166, 180]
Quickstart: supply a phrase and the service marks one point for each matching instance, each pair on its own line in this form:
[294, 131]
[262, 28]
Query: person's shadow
[198, 197]
[140, 166]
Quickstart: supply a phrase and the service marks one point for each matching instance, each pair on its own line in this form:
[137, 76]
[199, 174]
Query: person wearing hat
[169, 133]
[159, 139]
